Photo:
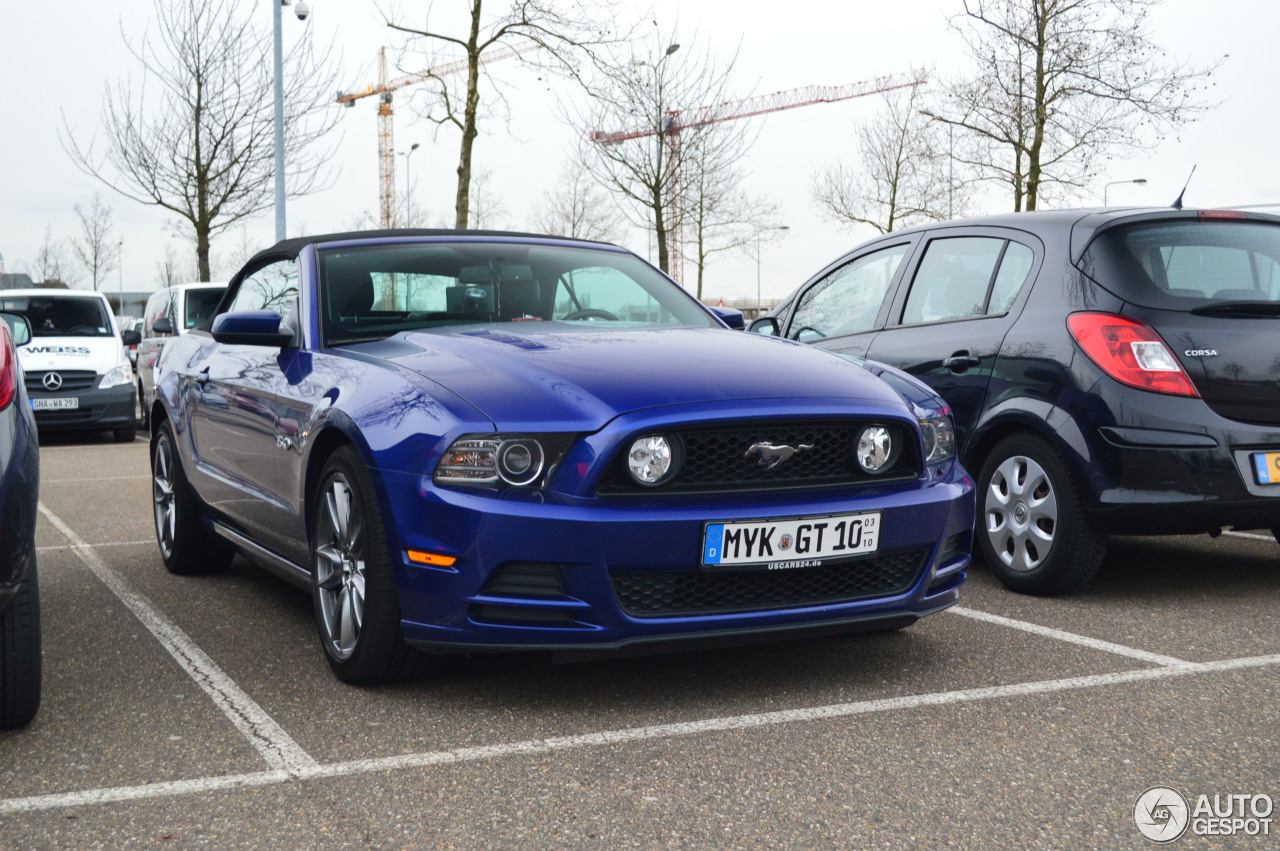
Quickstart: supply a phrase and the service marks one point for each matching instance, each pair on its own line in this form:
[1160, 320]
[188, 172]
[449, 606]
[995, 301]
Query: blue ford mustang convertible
[468, 441]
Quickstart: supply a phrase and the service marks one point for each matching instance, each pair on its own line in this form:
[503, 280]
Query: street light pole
[408, 185]
[1141, 181]
[120, 269]
[302, 11]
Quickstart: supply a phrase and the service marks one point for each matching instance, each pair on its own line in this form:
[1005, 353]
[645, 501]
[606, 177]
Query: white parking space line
[271, 741]
[633, 734]
[56, 547]
[1254, 535]
[1071, 637]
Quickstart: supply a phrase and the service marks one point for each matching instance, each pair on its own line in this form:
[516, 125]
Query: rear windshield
[1188, 264]
[371, 292]
[200, 306]
[61, 316]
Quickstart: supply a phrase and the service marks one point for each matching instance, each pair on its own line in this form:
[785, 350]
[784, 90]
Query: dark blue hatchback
[468, 442]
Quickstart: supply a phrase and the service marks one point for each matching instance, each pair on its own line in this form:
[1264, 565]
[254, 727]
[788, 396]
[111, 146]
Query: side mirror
[767, 325]
[162, 326]
[19, 327]
[731, 316]
[130, 337]
[251, 328]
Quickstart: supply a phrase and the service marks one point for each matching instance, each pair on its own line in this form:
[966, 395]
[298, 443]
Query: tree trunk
[462, 208]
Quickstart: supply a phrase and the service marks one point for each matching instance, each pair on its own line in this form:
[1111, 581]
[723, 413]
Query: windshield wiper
[1263, 309]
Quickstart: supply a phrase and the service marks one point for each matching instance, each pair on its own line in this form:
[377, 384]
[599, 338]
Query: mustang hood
[96, 354]
[581, 379]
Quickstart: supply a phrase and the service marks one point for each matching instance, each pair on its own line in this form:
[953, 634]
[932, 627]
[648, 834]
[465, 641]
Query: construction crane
[676, 120]
[386, 142]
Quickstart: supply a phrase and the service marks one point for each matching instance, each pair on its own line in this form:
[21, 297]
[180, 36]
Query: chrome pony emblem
[770, 455]
[52, 381]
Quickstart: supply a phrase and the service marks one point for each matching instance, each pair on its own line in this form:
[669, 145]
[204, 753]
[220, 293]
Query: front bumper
[114, 407]
[537, 570]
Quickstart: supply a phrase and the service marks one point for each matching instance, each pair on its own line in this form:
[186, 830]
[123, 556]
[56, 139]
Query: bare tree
[904, 175]
[1060, 83]
[566, 31]
[636, 152]
[52, 265]
[719, 216]
[196, 138]
[578, 208]
[96, 248]
[490, 211]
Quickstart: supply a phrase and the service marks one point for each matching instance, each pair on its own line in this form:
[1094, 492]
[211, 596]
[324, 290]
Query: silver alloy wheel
[339, 567]
[1021, 512]
[162, 497]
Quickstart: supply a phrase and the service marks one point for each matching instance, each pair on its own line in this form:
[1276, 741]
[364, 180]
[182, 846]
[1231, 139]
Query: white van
[78, 374]
[173, 310]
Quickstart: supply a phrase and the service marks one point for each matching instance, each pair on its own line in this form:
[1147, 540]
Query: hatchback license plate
[791, 542]
[66, 403]
[1266, 466]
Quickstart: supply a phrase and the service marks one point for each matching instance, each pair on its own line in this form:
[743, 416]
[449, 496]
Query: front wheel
[353, 587]
[20, 654]
[1032, 526]
[186, 546]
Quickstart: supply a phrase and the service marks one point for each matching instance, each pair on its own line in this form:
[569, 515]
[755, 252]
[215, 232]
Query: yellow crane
[386, 142]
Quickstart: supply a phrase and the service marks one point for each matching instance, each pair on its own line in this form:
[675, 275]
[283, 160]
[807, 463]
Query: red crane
[676, 120]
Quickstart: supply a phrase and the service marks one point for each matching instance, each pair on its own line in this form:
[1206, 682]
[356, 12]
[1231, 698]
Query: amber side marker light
[434, 559]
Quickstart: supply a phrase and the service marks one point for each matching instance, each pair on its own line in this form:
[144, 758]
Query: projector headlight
[939, 439]
[501, 459]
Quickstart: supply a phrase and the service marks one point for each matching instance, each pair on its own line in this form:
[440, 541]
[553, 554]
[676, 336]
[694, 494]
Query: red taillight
[8, 368]
[1230, 215]
[1130, 352]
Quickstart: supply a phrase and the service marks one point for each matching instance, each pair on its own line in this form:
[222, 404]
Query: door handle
[202, 377]
[961, 361]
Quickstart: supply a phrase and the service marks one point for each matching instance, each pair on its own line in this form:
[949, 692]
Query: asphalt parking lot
[199, 712]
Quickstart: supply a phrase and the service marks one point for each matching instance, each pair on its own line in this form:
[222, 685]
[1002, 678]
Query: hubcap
[162, 496]
[339, 567]
[1021, 513]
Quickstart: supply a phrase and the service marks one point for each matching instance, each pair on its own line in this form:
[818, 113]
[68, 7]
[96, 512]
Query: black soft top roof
[293, 246]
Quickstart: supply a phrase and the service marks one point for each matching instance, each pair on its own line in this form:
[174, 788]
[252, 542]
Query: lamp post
[120, 269]
[759, 236]
[1141, 181]
[408, 185]
[657, 100]
[302, 10]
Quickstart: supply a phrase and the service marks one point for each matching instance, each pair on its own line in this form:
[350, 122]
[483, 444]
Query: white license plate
[792, 542]
[63, 403]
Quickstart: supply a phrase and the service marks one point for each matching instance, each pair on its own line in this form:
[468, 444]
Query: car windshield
[1188, 264]
[61, 316]
[200, 305]
[371, 292]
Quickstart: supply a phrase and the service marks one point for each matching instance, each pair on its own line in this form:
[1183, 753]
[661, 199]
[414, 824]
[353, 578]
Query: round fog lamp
[875, 449]
[651, 459]
[519, 461]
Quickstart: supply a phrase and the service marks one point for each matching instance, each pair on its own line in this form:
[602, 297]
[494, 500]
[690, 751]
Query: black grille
[715, 458]
[651, 594]
[73, 381]
[525, 579]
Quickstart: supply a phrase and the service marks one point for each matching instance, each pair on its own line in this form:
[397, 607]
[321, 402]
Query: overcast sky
[56, 57]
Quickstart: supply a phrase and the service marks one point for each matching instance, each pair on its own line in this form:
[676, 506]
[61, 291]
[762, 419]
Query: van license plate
[68, 403]
[792, 542]
[1266, 466]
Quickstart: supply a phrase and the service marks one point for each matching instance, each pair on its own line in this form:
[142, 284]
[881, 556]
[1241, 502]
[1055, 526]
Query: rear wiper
[1239, 308]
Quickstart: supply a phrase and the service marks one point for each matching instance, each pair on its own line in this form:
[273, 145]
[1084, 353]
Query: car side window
[272, 287]
[967, 276]
[847, 300]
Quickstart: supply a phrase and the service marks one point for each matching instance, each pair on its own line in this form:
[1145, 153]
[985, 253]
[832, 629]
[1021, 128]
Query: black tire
[353, 586]
[186, 546]
[1031, 525]
[20, 654]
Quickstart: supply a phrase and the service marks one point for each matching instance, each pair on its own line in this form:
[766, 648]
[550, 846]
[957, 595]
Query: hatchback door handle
[960, 361]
